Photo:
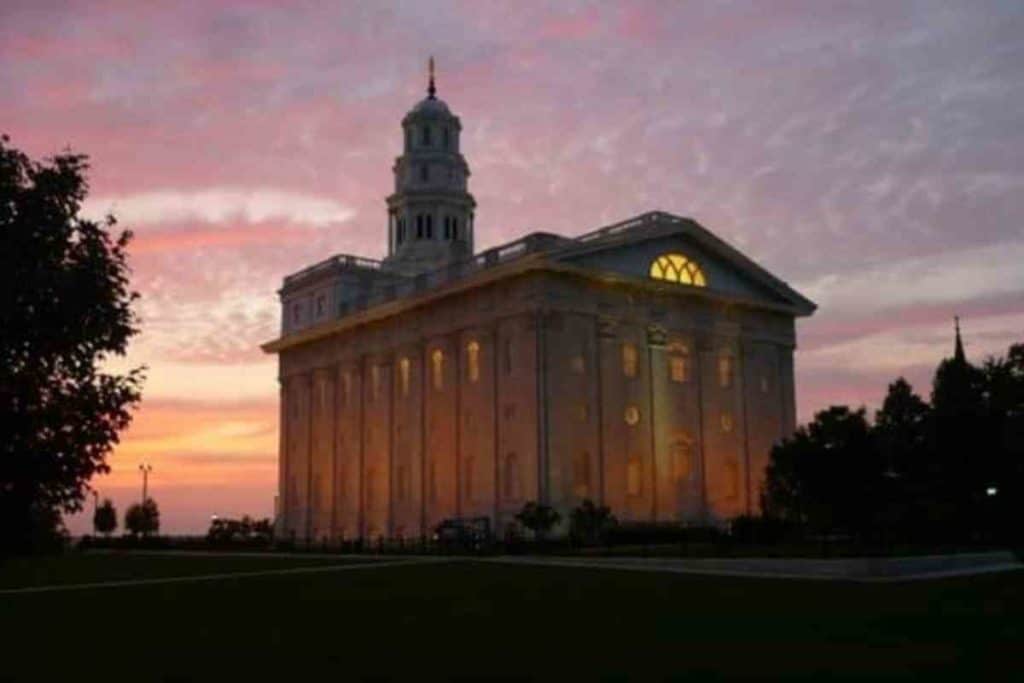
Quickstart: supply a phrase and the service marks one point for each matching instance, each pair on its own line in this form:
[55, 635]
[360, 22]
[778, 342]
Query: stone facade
[438, 384]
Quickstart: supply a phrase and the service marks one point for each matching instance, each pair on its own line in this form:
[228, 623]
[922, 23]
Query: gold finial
[431, 90]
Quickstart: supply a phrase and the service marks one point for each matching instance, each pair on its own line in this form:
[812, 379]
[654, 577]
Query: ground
[466, 618]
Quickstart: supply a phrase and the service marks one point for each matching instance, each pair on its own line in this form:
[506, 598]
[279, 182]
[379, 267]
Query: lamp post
[145, 468]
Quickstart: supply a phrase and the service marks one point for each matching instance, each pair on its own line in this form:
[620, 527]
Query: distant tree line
[951, 468]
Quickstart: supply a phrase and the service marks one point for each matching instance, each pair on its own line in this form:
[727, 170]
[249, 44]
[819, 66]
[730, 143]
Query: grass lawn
[470, 619]
[118, 566]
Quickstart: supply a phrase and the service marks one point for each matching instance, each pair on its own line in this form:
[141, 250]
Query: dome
[431, 105]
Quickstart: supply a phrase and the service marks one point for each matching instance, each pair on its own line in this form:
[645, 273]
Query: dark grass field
[470, 620]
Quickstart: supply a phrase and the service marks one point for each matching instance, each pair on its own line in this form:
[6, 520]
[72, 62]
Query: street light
[145, 468]
[991, 491]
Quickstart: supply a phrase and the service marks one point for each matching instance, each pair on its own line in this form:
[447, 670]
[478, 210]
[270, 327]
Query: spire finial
[958, 351]
[431, 90]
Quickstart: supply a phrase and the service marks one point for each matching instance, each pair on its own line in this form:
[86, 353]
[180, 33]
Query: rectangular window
[508, 356]
[374, 382]
[679, 368]
[473, 361]
[634, 482]
[403, 376]
[725, 370]
[469, 465]
[430, 227]
[437, 367]
[320, 304]
[581, 475]
[424, 172]
[402, 483]
[629, 360]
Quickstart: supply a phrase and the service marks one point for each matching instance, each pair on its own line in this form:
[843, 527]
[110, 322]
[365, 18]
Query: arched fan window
[678, 268]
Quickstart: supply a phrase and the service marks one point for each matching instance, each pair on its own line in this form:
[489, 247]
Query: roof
[535, 251]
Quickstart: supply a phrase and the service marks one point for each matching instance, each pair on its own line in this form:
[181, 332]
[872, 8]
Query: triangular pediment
[723, 270]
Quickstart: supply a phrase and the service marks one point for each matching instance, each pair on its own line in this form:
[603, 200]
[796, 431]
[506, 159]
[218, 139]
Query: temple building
[646, 365]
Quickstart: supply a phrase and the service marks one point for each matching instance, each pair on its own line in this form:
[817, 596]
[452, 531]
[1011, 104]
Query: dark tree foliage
[66, 308]
[245, 530]
[104, 520]
[588, 523]
[949, 470]
[142, 519]
[538, 518]
[827, 475]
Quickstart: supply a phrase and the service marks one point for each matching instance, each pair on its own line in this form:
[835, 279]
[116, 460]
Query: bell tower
[430, 213]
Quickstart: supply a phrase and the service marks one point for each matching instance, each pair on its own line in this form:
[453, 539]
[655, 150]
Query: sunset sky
[869, 153]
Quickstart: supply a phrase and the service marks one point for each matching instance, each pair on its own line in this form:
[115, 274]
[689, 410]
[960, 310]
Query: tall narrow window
[455, 228]
[430, 226]
[469, 474]
[437, 365]
[732, 479]
[425, 137]
[432, 481]
[473, 361]
[419, 226]
[402, 482]
[424, 172]
[682, 460]
[403, 376]
[444, 136]
[629, 360]
[346, 387]
[374, 382]
[511, 486]
[725, 370]
[447, 227]
[507, 355]
[679, 363]
[727, 423]
[634, 477]
[371, 487]
[581, 474]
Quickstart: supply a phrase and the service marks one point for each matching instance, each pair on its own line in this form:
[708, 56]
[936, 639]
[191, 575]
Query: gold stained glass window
[678, 268]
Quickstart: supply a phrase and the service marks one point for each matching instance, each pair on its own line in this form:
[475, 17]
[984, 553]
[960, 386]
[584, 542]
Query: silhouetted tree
[960, 446]
[901, 435]
[827, 476]
[589, 522]
[142, 519]
[65, 308]
[538, 518]
[104, 520]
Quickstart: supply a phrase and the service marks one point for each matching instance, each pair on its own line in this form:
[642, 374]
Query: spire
[431, 90]
[958, 350]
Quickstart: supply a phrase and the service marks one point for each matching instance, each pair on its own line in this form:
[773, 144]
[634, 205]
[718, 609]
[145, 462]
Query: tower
[430, 213]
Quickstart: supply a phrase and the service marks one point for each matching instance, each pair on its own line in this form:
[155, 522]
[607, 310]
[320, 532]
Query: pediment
[707, 263]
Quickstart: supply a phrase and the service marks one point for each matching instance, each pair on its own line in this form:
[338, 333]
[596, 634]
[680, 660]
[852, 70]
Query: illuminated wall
[548, 387]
